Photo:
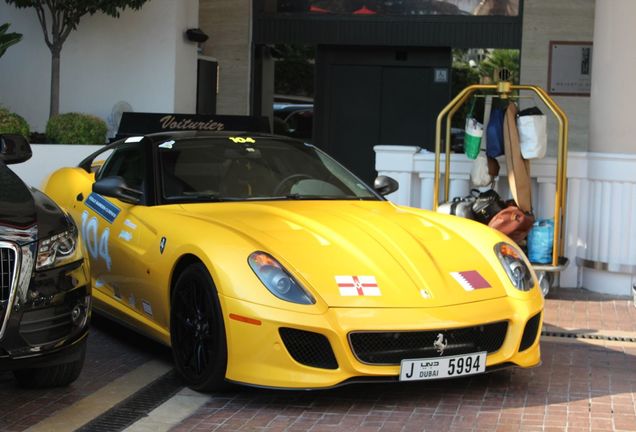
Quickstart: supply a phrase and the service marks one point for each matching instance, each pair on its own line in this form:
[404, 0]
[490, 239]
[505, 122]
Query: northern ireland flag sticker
[351, 286]
[470, 280]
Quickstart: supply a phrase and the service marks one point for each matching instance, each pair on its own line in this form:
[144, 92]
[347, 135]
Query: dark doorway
[372, 96]
[207, 71]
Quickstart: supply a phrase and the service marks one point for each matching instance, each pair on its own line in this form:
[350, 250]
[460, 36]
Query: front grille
[7, 267]
[46, 325]
[7, 271]
[390, 348]
[530, 333]
[309, 348]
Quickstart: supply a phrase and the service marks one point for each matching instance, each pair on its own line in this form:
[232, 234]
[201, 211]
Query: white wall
[185, 91]
[549, 20]
[141, 58]
[48, 158]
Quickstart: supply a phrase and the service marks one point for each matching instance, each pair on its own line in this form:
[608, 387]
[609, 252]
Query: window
[127, 162]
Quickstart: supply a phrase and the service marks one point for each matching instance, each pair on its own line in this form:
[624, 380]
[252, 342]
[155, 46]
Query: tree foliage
[7, 39]
[76, 128]
[294, 70]
[58, 18]
[500, 59]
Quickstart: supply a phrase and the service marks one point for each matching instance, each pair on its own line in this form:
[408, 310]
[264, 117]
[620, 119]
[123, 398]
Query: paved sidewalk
[110, 355]
[579, 309]
[582, 385]
[578, 388]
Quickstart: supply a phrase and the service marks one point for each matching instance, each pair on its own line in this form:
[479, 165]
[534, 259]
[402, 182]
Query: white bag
[533, 135]
[479, 176]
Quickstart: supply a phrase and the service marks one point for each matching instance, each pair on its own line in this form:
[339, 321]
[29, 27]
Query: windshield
[239, 169]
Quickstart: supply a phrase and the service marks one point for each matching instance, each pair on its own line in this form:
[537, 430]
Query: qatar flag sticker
[470, 280]
[351, 286]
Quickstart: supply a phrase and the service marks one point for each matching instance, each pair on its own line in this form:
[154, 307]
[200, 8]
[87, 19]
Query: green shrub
[76, 128]
[11, 123]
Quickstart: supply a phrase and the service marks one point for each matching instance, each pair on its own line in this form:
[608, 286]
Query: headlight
[278, 280]
[516, 268]
[57, 250]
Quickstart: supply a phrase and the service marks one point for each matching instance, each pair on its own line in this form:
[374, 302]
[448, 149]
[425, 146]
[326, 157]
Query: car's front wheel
[52, 376]
[197, 332]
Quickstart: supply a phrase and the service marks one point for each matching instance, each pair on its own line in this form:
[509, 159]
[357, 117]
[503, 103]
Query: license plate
[442, 367]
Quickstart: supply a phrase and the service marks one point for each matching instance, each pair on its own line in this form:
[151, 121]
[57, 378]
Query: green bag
[472, 134]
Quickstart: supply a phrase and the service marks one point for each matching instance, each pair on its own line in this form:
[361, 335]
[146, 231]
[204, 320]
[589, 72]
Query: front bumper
[257, 354]
[43, 327]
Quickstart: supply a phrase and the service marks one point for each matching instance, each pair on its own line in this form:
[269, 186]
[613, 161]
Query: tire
[59, 375]
[197, 332]
[545, 282]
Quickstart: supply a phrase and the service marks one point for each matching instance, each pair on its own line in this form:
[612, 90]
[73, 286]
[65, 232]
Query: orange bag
[513, 222]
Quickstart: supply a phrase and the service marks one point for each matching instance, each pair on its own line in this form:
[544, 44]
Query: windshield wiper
[203, 198]
[296, 196]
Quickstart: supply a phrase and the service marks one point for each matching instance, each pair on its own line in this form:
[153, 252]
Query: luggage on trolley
[520, 135]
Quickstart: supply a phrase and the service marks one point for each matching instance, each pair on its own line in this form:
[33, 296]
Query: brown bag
[513, 222]
[518, 167]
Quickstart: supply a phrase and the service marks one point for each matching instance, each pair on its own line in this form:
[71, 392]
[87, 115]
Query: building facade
[382, 74]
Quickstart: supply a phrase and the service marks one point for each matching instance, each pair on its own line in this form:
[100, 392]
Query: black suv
[44, 281]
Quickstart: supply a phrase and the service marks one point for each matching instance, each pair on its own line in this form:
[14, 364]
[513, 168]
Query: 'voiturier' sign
[133, 123]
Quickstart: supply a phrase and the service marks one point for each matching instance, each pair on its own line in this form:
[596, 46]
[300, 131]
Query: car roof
[160, 137]
[182, 135]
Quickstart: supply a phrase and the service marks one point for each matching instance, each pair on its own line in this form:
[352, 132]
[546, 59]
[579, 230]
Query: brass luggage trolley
[503, 90]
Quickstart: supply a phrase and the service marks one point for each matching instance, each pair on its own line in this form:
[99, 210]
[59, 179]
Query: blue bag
[540, 241]
[494, 133]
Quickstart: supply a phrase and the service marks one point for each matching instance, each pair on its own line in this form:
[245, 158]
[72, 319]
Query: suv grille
[7, 271]
[7, 267]
[390, 348]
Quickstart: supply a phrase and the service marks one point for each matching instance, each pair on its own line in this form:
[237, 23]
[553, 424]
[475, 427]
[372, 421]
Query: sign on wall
[570, 68]
[135, 123]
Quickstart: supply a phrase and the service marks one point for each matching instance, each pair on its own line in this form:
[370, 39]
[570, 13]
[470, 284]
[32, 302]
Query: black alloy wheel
[197, 332]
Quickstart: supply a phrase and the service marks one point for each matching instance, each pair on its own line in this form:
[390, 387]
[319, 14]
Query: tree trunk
[55, 81]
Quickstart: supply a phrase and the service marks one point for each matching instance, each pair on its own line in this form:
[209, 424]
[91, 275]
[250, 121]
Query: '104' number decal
[98, 248]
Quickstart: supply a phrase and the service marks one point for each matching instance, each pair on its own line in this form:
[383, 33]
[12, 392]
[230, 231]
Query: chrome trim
[13, 284]
[563, 264]
[603, 266]
[26, 270]
[19, 235]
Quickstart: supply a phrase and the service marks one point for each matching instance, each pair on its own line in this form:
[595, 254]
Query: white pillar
[608, 261]
[613, 65]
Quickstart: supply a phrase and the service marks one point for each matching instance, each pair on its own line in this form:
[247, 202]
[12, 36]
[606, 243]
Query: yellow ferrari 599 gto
[260, 260]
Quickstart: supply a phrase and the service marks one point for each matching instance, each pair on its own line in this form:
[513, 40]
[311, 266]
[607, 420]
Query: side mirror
[385, 185]
[14, 149]
[116, 187]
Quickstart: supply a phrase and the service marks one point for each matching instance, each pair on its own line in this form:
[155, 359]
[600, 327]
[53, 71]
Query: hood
[369, 253]
[26, 214]
[17, 208]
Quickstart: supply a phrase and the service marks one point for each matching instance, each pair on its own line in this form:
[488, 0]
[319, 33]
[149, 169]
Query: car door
[114, 235]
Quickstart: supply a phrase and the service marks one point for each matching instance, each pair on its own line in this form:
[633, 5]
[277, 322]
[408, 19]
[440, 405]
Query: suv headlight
[515, 266]
[278, 280]
[57, 250]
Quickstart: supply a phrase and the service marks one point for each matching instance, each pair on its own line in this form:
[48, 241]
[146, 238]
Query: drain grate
[571, 335]
[136, 406]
